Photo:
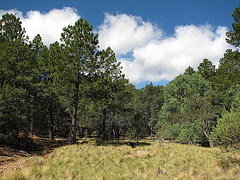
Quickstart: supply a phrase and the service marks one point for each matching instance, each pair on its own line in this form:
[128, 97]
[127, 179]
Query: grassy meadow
[117, 160]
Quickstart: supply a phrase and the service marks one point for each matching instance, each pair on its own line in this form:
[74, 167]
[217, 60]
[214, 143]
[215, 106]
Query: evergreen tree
[15, 73]
[109, 86]
[21, 79]
[189, 71]
[234, 35]
[206, 69]
[76, 64]
[227, 131]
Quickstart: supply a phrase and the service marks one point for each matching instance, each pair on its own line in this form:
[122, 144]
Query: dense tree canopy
[75, 88]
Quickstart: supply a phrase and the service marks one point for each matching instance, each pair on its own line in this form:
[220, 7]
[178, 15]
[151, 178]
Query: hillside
[118, 160]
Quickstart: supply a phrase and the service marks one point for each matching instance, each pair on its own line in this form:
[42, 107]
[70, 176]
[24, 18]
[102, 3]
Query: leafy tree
[205, 117]
[189, 133]
[178, 88]
[228, 73]
[14, 51]
[182, 102]
[172, 131]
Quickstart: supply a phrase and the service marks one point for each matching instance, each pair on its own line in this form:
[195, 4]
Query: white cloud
[125, 32]
[155, 58]
[49, 25]
[132, 70]
[145, 54]
[12, 11]
[165, 59]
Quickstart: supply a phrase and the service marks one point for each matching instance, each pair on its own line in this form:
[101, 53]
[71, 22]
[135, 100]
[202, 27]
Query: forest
[75, 89]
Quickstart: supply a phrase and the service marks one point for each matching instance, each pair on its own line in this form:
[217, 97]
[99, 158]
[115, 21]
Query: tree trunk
[210, 142]
[58, 127]
[50, 131]
[209, 138]
[73, 136]
[104, 124]
[81, 131]
[74, 115]
[151, 132]
[31, 120]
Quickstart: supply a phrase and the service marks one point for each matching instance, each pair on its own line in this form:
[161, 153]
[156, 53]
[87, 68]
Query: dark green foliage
[24, 93]
[75, 65]
[171, 131]
[150, 99]
[189, 71]
[189, 133]
[185, 99]
[11, 29]
[19, 78]
[87, 78]
[73, 88]
[13, 118]
[227, 131]
[228, 73]
[234, 35]
[41, 88]
[206, 69]
[109, 90]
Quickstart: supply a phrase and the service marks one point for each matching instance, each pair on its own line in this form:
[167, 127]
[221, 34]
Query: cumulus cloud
[165, 59]
[49, 25]
[155, 58]
[12, 11]
[125, 32]
[146, 55]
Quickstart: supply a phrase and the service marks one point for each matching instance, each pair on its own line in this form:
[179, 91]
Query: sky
[155, 40]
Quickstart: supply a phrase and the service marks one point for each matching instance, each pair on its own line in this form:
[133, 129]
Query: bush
[189, 133]
[227, 131]
[171, 131]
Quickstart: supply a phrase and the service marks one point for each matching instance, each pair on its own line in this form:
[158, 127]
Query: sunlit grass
[112, 161]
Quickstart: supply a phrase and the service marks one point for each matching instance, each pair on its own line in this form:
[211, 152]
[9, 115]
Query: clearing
[92, 159]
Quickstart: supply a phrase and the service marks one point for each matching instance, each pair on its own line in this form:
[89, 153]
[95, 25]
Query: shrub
[227, 131]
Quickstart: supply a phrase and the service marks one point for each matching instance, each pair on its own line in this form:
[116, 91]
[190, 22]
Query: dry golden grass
[113, 161]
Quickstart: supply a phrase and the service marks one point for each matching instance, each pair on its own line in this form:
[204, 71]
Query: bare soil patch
[13, 156]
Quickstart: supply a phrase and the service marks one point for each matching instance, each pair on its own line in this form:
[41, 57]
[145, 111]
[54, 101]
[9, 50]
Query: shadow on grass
[31, 146]
[116, 143]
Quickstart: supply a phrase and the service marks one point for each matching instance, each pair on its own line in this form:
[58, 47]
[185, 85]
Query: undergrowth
[120, 161]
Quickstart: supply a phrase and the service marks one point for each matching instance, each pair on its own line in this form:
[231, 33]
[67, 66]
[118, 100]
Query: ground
[14, 156]
[93, 158]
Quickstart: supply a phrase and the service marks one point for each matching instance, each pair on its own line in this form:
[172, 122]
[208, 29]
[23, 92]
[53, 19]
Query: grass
[120, 161]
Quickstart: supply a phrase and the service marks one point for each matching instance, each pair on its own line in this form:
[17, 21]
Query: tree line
[73, 88]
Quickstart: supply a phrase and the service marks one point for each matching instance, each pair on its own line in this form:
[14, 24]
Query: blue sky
[154, 39]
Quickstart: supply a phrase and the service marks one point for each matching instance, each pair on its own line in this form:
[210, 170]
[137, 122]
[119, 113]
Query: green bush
[188, 133]
[227, 131]
[171, 131]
